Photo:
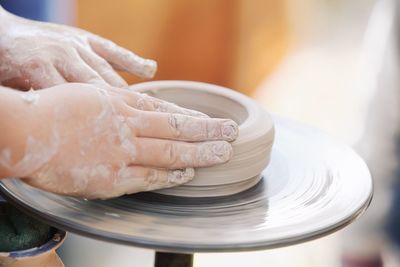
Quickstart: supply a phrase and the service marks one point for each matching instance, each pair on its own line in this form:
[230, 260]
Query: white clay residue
[37, 153]
[125, 136]
[82, 175]
[208, 152]
[146, 102]
[193, 128]
[180, 176]
[30, 97]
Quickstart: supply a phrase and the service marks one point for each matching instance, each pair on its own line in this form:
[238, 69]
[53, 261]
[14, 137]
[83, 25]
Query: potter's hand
[83, 140]
[39, 55]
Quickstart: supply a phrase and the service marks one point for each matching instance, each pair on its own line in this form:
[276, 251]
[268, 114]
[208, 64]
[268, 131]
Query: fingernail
[181, 176]
[230, 130]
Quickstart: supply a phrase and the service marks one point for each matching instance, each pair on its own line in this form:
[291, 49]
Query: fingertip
[229, 130]
[148, 69]
[213, 153]
[223, 150]
[178, 177]
[143, 68]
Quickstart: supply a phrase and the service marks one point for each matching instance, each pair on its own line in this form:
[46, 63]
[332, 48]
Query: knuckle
[171, 153]
[151, 178]
[35, 63]
[142, 102]
[156, 105]
[58, 51]
[173, 121]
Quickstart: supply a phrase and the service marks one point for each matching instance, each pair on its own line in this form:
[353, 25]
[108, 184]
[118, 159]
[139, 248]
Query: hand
[39, 55]
[96, 143]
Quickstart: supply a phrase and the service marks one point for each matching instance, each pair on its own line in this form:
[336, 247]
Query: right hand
[100, 143]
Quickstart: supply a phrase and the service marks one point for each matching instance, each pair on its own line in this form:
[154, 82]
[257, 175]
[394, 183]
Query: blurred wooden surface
[234, 43]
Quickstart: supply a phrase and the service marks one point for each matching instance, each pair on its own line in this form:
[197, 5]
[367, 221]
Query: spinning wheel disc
[312, 187]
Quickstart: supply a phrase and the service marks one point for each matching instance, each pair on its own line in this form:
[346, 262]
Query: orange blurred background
[234, 43]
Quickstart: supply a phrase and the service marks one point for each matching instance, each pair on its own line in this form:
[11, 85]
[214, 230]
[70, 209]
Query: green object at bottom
[19, 231]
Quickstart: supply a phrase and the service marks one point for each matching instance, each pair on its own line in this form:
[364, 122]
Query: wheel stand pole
[165, 259]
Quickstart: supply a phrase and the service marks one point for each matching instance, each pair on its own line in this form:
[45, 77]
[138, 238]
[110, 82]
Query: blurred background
[333, 64]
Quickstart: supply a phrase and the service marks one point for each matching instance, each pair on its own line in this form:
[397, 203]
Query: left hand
[39, 55]
[88, 141]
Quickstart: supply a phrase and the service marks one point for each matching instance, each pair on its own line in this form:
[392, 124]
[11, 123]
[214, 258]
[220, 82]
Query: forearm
[15, 125]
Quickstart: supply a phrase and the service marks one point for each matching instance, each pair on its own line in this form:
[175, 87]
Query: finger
[102, 67]
[123, 59]
[175, 155]
[75, 69]
[134, 179]
[182, 127]
[148, 103]
[145, 102]
[108, 182]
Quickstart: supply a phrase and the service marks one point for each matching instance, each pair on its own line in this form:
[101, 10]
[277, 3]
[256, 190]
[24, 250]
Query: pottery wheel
[312, 187]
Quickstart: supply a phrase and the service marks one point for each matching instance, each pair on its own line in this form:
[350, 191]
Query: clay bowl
[252, 148]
